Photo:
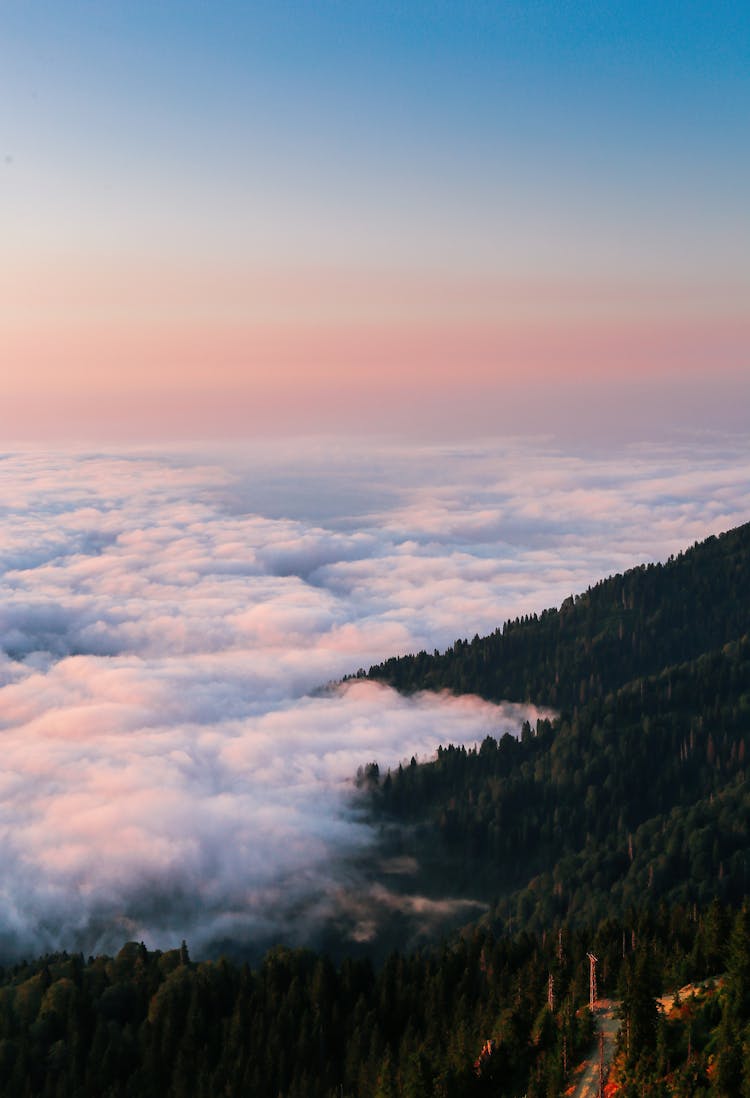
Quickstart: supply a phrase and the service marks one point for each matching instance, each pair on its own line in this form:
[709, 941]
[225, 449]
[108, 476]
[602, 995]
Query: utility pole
[593, 961]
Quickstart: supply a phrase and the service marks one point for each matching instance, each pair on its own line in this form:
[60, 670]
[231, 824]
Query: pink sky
[118, 351]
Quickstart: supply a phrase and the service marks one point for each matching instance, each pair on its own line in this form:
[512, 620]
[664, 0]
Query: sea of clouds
[169, 764]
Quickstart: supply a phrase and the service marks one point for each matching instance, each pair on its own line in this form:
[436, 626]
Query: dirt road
[587, 1081]
[607, 1023]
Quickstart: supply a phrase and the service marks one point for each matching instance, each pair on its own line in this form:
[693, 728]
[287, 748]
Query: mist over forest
[177, 763]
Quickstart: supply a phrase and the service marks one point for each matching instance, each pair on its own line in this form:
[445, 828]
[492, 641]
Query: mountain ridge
[602, 637]
[636, 792]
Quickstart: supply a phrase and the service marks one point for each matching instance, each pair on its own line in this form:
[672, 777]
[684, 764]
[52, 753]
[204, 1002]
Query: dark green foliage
[628, 627]
[640, 986]
[637, 791]
[738, 968]
[155, 1025]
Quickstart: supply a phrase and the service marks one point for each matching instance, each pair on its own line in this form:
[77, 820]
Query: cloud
[170, 767]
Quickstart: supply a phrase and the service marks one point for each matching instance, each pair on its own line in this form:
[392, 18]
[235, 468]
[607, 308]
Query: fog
[175, 763]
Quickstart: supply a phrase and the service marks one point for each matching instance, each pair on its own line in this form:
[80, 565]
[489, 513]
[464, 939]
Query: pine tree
[738, 968]
[639, 1004]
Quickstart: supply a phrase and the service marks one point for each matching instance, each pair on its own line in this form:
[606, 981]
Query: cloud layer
[170, 767]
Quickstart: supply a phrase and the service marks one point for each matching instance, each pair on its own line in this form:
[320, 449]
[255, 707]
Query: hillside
[147, 1024]
[624, 628]
[636, 792]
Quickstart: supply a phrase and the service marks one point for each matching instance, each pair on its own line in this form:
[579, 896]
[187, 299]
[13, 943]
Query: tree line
[634, 793]
[149, 1023]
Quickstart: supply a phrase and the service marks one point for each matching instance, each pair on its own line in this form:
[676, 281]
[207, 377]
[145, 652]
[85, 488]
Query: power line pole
[593, 961]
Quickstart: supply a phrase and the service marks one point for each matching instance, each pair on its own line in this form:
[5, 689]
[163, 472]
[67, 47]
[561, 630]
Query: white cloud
[166, 771]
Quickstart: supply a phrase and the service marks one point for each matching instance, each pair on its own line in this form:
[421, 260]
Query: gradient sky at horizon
[446, 218]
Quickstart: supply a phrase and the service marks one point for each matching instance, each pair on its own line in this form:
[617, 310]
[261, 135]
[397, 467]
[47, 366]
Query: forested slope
[637, 791]
[626, 627]
[146, 1024]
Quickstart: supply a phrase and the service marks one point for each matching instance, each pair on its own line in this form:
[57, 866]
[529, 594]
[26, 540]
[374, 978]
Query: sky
[429, 220]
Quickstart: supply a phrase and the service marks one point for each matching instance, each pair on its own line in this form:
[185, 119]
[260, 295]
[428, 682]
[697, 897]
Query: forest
[636, 792]
[620, 828]
[478, 1015]
[623, 629]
